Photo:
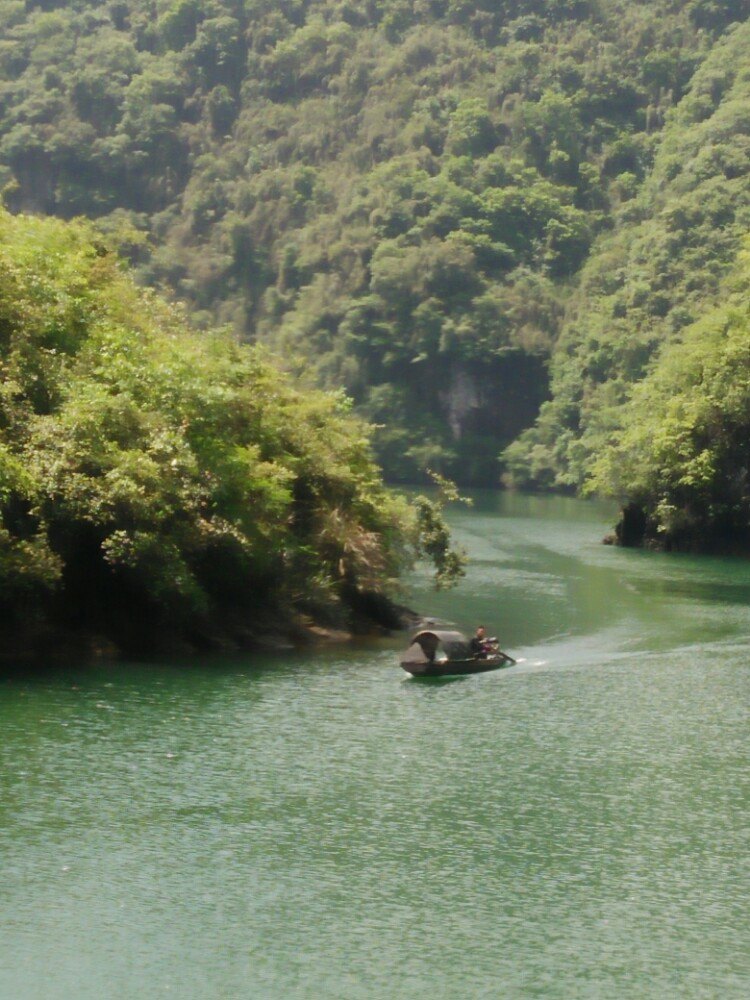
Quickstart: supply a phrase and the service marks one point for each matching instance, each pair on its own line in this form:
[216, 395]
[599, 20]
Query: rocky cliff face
[487, 404]
[462, 401]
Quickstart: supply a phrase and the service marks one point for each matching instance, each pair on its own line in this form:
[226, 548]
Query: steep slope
[397, 195]
[657, 273]
[680, 462]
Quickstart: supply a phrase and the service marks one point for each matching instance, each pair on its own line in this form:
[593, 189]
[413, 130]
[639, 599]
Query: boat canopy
[428, 646]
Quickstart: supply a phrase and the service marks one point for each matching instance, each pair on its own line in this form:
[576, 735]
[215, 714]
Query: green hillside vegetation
[157, 483]
[396, 196]
[657, 273]
[682, 457]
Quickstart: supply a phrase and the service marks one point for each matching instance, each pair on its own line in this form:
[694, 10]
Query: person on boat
[480, 645]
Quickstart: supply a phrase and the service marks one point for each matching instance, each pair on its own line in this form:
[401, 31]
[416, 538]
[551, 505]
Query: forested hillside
[397, 196]
[681, 453]
[660, 269]
[158, 484]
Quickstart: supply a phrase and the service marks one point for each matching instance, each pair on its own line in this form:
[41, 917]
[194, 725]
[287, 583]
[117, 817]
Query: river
[319, 825]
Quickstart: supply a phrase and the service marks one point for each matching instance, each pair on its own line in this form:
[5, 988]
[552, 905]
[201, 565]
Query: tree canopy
[485, 222]
[396, 196]
[682, 451]
[657, 272]
[150, 473]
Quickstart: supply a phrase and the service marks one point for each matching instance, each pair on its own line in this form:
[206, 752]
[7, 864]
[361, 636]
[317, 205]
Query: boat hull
[457, 668]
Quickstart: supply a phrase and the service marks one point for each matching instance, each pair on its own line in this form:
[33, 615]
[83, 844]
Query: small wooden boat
[448, 654]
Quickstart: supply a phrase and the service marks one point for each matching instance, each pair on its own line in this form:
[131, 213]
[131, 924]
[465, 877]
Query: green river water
[318, 825]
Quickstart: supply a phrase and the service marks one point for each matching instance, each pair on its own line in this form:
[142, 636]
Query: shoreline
[53, 646]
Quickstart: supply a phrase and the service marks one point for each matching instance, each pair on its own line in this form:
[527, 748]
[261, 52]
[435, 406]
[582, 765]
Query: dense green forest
[681, 453]
[487, 223]
[658, 270]
[151, 474]
[396, 196]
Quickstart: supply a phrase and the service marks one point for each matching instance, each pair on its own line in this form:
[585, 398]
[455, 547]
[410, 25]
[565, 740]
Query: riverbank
[165, 488]
[639, 528]
[48, 643]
